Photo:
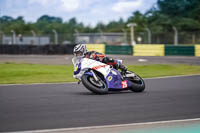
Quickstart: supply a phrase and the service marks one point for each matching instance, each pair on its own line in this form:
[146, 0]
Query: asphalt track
[51, 106]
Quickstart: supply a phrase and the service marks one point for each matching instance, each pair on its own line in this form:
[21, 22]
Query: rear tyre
[138, 84]
[91, 84]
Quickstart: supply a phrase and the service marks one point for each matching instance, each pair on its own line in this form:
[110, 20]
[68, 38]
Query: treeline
[184, 15]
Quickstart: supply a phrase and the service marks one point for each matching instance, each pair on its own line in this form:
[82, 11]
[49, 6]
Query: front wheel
[138, 84]
[97, 87]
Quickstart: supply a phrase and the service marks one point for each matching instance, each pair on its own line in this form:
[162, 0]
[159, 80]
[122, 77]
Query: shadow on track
[110, 93]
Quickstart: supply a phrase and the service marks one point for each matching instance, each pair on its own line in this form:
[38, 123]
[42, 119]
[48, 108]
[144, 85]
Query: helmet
[80, 50]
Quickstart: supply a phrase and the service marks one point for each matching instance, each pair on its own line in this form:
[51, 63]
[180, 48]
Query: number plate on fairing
[124, 84]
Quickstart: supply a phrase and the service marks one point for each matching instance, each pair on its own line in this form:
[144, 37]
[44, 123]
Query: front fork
[93, 74]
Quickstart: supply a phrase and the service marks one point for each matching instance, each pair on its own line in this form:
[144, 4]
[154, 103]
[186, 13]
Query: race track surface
[50, 106]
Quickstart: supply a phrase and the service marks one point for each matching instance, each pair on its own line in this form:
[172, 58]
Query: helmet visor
[78, 53]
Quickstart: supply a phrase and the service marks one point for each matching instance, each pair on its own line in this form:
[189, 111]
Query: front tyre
[91, 84]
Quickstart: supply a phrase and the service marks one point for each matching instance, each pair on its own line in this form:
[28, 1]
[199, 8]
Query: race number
[124, 84]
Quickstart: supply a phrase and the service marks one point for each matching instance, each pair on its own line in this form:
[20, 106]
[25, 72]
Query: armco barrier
[179, 50]
[34, 49]
[197, 50]
[122, 50]
[148, 50]
[96, 47]
[137, 50]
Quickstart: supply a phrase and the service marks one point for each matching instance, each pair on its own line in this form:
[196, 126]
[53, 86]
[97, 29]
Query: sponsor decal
[97, 67]
[109, 78]
[124, 84]
[76, 68]
[115, 73]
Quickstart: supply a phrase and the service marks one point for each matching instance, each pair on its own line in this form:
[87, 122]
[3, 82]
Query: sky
[90, 12]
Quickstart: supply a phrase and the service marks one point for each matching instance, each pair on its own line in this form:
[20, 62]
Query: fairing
[114, 80]
[112, 76]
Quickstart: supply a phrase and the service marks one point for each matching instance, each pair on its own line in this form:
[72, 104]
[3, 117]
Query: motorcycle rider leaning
[80, 50]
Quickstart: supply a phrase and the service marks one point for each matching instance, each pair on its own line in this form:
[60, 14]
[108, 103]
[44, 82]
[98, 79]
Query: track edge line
[105, 126]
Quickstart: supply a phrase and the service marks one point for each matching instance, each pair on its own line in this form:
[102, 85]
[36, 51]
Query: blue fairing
[78, 69]
[114, 80]
[89, 73]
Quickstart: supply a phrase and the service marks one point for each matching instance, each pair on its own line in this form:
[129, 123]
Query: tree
[182, 14]
[139, 19]
[6, 19]
[184, 8]
[115, 26]
[49, 19]
[160, 18]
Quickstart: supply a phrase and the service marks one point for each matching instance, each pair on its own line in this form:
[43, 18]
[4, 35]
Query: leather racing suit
[107, 60]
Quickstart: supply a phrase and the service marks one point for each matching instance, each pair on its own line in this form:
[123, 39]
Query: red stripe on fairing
[110, 63]
[97, 67]
[101, 55]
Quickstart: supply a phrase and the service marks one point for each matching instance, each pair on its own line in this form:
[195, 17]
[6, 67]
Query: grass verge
[12, 73]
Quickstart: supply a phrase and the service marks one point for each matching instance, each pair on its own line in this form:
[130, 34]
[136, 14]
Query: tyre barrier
[122, 50]
[96, 47]
[149, 50]
[197, 50]
[136, 50]
[179, 50]
[34, 49]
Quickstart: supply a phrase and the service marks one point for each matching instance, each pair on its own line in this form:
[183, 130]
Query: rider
[80, 50]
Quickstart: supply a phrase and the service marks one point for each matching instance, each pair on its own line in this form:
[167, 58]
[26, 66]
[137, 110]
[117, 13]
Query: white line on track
[77, 83]
[107, 126]
[174, 76]
[39, 84]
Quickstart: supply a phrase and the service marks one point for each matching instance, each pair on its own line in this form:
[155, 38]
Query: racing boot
[123, 68]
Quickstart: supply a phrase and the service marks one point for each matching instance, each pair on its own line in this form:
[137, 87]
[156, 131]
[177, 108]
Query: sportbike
[101, 78]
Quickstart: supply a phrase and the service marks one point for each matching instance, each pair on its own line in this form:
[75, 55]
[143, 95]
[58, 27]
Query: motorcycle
[102, 78]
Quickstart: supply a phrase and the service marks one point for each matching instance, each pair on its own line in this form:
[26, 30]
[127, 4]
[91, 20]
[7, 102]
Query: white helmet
[80, 50]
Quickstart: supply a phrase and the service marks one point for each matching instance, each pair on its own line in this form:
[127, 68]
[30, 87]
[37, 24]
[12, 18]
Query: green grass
[158, 70]
[11, 73]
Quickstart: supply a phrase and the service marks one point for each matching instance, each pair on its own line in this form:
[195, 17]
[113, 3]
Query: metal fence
[167, 38]
[23, 39]
[107, 38]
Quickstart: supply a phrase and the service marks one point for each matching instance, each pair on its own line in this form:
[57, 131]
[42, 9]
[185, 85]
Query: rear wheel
[97, 87]
[138, 84]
